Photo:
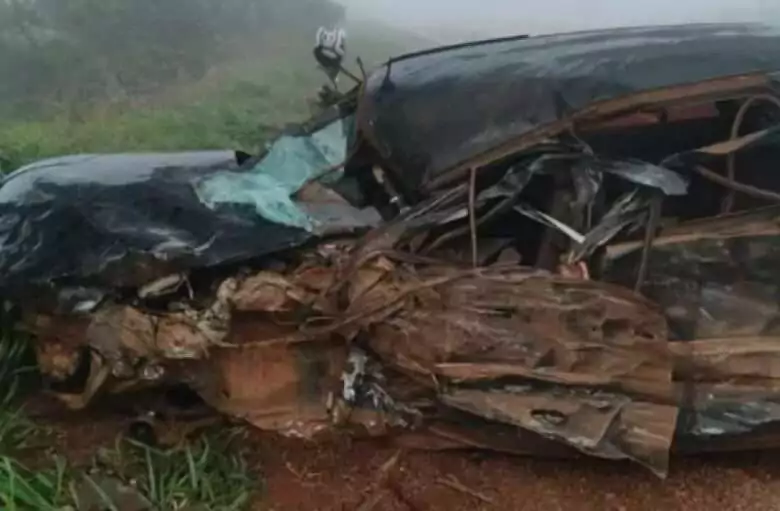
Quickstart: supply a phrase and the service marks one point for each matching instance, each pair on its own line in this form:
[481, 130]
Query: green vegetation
[24, 489]
[20, 487]
[237, 107]
[75, 53]
[137, 75]
[15, 430]
[207, 473]
[239, 104]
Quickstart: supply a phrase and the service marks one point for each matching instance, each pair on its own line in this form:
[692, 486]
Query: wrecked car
[556, 245]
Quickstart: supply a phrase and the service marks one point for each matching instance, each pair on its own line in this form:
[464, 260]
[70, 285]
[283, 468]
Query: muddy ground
[335, 478]
[342, 475]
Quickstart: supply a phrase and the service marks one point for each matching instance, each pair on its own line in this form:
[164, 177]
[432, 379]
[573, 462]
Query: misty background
[456, 19]
[118, 75]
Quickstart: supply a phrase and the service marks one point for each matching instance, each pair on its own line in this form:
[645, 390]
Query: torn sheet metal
[472, 98]
[456, 430]
[602, 424]
[765, 138]
[120, 347]
[641, 173]
[546, 328]
[728, 416]
[585, 364]
[143, 217]
[627, 213]
[587, 173]
[301, 390]
[716, 282]
[714, 278]
[123, 334]
[543, 332]
[136, 216]
[282, 388]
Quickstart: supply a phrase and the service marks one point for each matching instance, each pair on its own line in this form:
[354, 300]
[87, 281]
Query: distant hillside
[239, 103]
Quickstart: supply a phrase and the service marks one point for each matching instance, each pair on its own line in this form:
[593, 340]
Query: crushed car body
[557, 245]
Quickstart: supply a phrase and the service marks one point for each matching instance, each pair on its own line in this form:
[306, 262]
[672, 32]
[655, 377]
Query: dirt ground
[342, 476]
[339, 477]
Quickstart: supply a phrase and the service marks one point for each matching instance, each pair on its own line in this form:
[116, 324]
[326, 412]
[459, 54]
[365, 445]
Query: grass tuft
[20, 487]
[206, 474]
[23, 489]
[15, 429]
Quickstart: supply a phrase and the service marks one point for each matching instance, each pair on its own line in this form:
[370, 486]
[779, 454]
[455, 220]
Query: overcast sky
[544, 16]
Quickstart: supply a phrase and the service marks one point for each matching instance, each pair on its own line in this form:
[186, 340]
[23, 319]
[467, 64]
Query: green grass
[23, 489]
[20, 487]
[233, 108]
[239, 105]
[206, 474]
[14, 427]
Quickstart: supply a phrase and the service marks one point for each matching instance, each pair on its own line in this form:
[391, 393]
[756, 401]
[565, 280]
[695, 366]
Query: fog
[449, 18]
[72, 58]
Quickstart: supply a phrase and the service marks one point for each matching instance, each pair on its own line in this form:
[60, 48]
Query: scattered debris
[379, 486]
[98, 491]
[452, 482]
[529, 245]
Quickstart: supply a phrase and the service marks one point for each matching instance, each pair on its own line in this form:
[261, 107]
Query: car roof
[430, 111]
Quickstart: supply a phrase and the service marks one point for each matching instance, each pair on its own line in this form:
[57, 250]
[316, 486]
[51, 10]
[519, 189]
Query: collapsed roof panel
[470, 99]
